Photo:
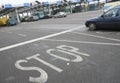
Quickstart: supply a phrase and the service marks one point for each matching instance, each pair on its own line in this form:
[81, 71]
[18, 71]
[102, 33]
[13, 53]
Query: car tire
[65, 16]
[92, 26]
[8, 24]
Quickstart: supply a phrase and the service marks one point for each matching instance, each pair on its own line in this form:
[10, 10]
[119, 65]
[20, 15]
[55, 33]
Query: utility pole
[99, 4]
[49, 7]
[70, 6]
[17, 15]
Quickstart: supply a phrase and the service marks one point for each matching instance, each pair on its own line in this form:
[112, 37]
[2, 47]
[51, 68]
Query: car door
[106, 20]
[117, 19]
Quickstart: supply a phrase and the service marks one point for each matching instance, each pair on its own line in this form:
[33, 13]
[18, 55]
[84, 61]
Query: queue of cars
[4, 20]
[40, 15]
[109, 19]
[12, 20]
[30, 18]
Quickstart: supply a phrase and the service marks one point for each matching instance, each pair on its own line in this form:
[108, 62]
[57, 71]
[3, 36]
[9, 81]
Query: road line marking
[84, 42]
[2, 31]
[97, 36]
[9, 32]
[22, 35]
[45, 63]
[38, 39]
[100, 32]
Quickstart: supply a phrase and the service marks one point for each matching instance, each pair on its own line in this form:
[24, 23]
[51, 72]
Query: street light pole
[17, 16]
[49, 8]
[98, 4]
[70, 6]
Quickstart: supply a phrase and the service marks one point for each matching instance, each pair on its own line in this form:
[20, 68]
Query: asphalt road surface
[59, 50]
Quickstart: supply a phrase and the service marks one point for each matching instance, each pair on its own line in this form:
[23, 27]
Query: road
[59, 50]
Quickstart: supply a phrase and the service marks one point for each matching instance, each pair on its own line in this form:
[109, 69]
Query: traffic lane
[12, 35]
[106, 33]
[100, 65]
[83, 36]
[7, 39]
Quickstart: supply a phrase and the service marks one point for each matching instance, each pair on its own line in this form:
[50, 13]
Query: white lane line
[38, 39]
[2, 31]
[22, 35]
[84, 42]
[6, 32]
[100, 32]
[45, 63]
[97, 36]
[9, 32]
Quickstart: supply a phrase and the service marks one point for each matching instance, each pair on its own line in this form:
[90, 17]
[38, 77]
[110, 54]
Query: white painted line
[45, 63]
[97, 36]
[22, 35]
[85, 42]
[2, 31]
[9, 32]
[38, 39]
[100, 32]
[16, 28]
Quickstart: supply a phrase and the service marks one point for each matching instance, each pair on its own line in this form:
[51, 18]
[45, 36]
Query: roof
[9, 10]
[6, 11]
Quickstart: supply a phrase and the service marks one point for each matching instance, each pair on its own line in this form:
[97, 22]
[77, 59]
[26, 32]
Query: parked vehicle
[60, 15]
[48, 16]
[3, 20]
[110, 19]
[11, 21]
[35, 17]
[31, 18]
[27, 19]
[41, 15]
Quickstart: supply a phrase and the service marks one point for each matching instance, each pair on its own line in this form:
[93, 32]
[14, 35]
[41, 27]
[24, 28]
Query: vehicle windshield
[111, 13]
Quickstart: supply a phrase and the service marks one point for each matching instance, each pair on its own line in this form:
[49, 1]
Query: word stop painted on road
[43, 75]
[73, 51]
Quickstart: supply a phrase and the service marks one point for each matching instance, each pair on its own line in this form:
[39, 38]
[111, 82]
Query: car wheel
[65, 16]
[8, 24]
[92, 26]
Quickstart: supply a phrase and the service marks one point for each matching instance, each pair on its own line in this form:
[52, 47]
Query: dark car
[11, 21]
[110, 19]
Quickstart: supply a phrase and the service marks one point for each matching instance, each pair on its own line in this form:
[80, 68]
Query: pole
[17, 16]
[49, 8]
[70, 6]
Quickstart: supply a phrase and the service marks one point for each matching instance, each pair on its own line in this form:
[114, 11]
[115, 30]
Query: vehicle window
[111, 13]
[118, 13]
